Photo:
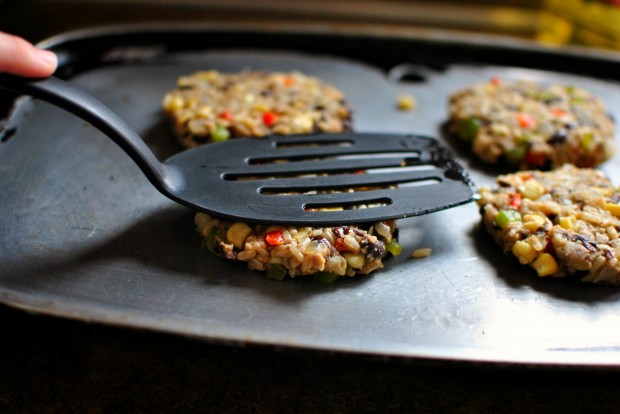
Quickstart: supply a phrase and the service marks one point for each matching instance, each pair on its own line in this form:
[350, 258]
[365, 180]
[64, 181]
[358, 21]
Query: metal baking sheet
[85, 236]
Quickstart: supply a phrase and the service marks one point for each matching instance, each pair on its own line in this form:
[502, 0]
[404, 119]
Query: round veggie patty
[561, 223]
[326, 253]
[531, 126]
[210, 106]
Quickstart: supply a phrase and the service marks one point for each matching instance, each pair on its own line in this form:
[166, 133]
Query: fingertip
[20, 57]
[47, 60]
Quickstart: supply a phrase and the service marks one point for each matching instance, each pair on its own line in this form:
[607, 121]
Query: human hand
[19, 57]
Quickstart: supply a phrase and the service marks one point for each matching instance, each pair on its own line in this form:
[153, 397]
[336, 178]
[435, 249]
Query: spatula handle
[85, 106]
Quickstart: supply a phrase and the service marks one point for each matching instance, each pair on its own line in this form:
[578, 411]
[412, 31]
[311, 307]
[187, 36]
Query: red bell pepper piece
[269, 118]
[274, 238]
[515, 201]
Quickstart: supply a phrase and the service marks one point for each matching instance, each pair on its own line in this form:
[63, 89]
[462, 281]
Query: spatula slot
[334, 143]
[391, 174]
[407, 156]
[309, 185]
[331, 207]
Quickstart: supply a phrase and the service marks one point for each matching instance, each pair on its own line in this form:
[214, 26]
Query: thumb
[19, 57]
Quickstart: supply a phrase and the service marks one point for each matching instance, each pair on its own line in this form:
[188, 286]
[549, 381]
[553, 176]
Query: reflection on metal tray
[85, 236]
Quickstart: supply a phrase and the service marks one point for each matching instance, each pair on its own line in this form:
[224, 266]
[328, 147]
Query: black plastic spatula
[310, 179]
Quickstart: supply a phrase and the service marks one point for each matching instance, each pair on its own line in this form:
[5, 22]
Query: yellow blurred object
[613, 209]
[568, 222]
[545, 265]
[587, 22]
[533, 221]
[237, 233]
[406, 102]
[524, 252]
[420, 253]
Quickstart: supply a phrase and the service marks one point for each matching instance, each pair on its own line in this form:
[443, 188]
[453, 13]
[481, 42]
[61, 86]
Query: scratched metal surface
[85, 236]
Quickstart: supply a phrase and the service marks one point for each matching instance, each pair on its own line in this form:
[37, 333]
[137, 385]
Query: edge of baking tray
[557, 358]
[521, 50]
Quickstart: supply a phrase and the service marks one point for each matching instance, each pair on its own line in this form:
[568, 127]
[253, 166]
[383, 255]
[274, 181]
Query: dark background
[38, 19]
[52, 365]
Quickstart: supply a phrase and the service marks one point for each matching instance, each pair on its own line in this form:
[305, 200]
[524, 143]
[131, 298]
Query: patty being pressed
[212, 106]
[531, 126]
[324, 252]
[257, 104]
[563, 223]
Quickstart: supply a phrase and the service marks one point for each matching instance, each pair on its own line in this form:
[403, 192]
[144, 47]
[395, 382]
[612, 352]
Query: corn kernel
[524, 252]
[237, 233]
[356, 261]
[545, 265]
[531, 189]
[419, 253]
[568, 222]
[533, 221]
[260, 107]
[406, 102]
[173, 102]
[613, 209]
[205, 111]
[302, 123]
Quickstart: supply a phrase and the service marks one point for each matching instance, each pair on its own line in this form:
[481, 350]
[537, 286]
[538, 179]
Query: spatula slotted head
[322, 179]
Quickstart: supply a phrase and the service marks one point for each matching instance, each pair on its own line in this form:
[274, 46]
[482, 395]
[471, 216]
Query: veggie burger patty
[211, 106]
[561, 223]
[326, 253]
[532, 126]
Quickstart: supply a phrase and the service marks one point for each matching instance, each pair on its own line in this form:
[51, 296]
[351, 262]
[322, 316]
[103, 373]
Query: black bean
[552, 100]
[375, 250]
[558, 137]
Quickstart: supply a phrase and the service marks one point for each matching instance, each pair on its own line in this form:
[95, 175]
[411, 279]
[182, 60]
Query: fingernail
[49, 58]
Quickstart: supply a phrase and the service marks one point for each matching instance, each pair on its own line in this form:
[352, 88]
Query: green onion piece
[276, 271]
[468, 129]
[210, 239]
[516, 154]
[220, 134]
[546, 96]
[325, 277]
[393, 247]
[587, 140]
[524, 139]
[507, 216]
